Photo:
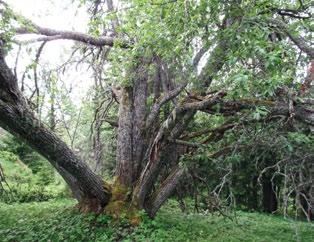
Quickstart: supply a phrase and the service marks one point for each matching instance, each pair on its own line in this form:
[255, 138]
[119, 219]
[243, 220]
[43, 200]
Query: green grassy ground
[57, 221]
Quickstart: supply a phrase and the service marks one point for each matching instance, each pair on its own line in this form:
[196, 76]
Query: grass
[56, 220]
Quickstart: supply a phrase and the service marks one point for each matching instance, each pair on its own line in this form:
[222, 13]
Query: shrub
[25, 186]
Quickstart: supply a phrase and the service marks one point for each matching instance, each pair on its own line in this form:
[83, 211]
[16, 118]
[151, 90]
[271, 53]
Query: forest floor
[56, 220]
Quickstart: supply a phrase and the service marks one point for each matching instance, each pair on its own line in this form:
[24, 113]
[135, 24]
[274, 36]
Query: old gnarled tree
[146, 140]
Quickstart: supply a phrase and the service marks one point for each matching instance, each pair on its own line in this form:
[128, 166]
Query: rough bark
[165, 190]
[71, 35]
[152, 168]
[125, 166]
[181, 117]
[139, 115]
[171, 128]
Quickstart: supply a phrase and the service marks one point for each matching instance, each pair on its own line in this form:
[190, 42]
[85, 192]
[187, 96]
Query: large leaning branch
[72, 35]
[158, 198]
[48, 34]
[17, 118]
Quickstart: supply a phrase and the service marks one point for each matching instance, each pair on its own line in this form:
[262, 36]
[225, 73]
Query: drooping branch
[296, 39]
[146, 180]
[220, 129]
[39, 39]
[301, 111]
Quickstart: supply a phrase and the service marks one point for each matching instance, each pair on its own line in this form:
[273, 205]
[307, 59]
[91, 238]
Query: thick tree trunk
[125, 166]
[131, 135]
[269, 197]
[139, 115]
